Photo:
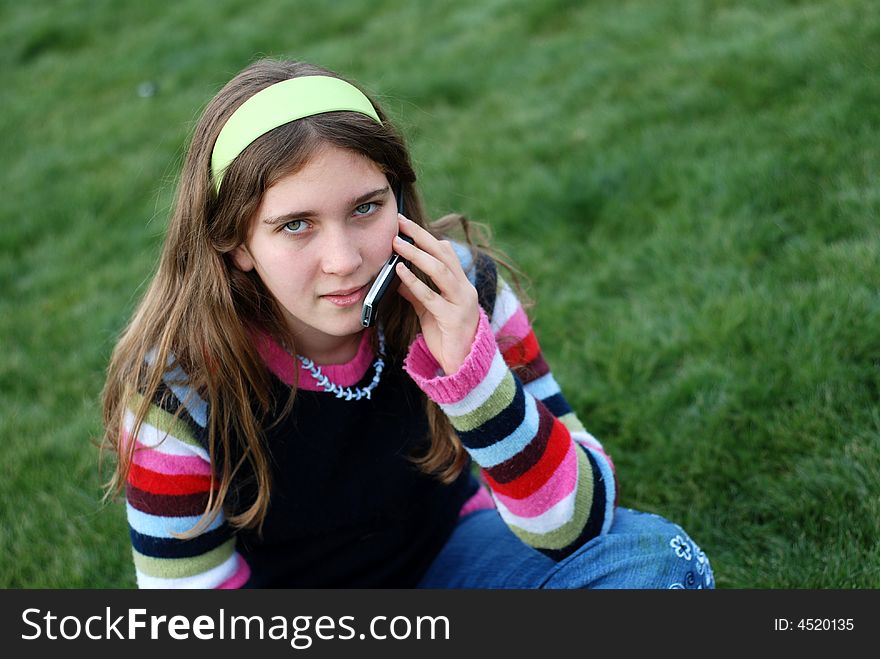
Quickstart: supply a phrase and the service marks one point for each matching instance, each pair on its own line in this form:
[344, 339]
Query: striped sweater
[550, 480]
[166, 494]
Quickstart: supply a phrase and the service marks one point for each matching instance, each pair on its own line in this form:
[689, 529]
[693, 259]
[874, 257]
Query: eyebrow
[357, 201]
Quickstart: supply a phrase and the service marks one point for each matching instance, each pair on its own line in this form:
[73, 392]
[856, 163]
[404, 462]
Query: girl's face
[317, 241]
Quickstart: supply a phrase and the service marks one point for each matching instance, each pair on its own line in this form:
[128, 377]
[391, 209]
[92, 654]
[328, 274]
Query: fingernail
[402, 218]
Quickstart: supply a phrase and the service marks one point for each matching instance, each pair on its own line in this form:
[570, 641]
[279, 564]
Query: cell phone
[387, 279]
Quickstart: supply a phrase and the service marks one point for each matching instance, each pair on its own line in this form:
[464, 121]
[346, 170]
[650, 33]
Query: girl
[266, 439]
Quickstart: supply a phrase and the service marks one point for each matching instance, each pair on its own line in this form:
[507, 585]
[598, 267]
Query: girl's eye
[366, 209]
[294, 227]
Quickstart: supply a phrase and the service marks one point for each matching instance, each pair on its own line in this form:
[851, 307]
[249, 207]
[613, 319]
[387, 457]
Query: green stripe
[166, 422]
[571, 422]
[568, 532]
[175, 568]
[499, 286]
[495, 404]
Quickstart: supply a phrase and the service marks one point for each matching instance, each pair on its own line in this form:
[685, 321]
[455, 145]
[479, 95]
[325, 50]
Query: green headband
[280, 104]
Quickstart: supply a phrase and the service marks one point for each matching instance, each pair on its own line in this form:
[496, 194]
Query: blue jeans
[642, 550]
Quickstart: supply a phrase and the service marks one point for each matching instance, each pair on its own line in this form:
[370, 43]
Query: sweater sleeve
[167, 491]
[552, 482]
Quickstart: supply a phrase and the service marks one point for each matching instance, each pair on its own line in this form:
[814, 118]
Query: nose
[340, 252]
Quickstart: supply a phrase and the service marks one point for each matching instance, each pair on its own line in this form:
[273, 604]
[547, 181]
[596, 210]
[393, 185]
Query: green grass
[692, 188]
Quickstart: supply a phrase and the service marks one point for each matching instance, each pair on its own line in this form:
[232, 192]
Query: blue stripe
[176, 380]
[511, 445]
[197, 408]
[163, 527]
[543, 387]
[463, 253]
[608, 484]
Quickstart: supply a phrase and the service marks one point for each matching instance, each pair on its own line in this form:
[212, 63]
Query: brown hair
[199, 310]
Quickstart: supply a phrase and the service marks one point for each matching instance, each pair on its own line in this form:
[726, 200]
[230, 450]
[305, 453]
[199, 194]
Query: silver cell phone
[387, 279]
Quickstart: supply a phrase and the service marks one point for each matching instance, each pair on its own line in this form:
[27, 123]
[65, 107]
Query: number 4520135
[813, 624]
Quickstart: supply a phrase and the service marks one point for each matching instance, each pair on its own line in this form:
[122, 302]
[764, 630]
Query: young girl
[265, 438]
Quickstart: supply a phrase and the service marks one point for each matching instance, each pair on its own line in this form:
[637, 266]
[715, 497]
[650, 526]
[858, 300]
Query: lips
[344, 292]
[346, 297]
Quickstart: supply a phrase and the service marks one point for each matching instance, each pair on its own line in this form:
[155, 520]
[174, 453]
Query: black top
[348, 508]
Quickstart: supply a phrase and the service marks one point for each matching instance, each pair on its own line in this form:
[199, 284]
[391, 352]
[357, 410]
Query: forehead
[327, 185]
[330, 169]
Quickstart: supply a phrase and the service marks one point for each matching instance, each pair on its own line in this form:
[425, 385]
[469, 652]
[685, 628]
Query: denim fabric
[642, 550]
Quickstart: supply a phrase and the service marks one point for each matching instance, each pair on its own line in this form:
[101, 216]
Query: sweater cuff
[446, 389]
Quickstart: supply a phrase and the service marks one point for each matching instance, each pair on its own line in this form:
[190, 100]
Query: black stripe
[165, 400]
[499, 426]
[557, 404]
[486, 282]
[149, 545]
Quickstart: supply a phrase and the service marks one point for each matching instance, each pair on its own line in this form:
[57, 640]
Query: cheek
[385, 236]
[281, 270]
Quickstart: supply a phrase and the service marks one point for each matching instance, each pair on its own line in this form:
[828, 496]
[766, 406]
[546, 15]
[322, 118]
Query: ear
[242, 258]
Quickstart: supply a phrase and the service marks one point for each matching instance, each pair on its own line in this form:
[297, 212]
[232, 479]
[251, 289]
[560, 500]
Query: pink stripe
[276, 358]
[517, 325]
[482, 500]
[284, 365]
[558, 487]
[164, 463]
[447, 389]
[419, 360]
[237, 580]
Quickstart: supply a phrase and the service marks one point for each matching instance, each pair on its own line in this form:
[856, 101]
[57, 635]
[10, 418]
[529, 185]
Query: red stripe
[167, 505]
[522, 352]
[514, 467]
[156, 483]
[533, 370]
[532, 480]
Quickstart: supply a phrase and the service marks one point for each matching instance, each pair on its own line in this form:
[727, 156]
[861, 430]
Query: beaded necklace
[347, 392]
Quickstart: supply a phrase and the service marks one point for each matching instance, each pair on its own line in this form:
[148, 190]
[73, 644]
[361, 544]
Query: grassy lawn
[691, 187]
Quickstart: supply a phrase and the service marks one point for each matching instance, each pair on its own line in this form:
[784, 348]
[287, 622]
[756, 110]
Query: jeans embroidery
[682, 547]
[689, 551]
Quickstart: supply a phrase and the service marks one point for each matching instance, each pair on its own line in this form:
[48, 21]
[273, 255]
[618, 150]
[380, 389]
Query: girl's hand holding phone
[449, 318]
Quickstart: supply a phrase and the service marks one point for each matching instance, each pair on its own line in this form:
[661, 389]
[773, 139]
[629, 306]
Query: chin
[348, 324]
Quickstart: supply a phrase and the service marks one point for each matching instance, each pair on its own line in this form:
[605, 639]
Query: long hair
[199, 312]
